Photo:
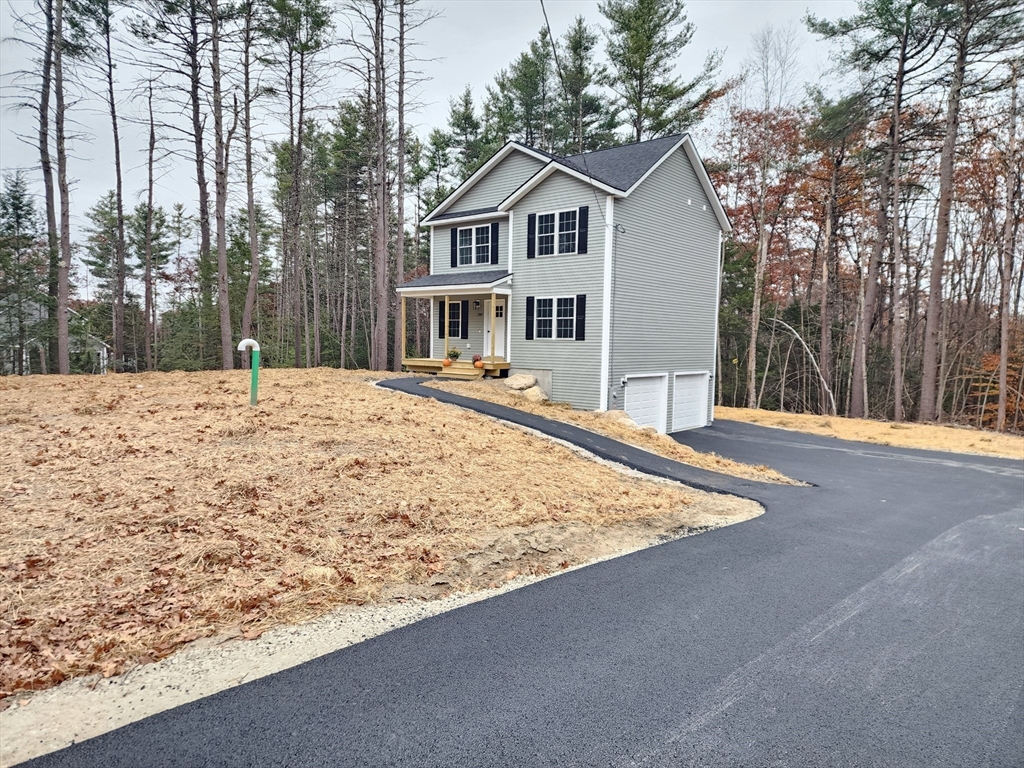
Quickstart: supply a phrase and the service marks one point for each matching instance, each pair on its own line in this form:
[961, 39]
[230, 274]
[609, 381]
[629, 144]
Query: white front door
[647, 400]
[690, 401]
[499, 328]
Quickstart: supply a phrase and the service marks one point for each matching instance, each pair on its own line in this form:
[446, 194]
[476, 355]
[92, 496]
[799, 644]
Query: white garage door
[647, 400]
[690, 401]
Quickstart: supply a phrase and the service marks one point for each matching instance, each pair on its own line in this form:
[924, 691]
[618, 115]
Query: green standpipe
[254, 346]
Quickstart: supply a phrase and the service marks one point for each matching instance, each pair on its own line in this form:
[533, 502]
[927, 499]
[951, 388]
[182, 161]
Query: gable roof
[622, 167]
[479, 173]
[616, 171]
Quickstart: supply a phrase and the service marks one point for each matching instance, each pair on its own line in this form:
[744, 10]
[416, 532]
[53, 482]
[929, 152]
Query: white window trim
[472, 258]
[536, 235]
[554, 318]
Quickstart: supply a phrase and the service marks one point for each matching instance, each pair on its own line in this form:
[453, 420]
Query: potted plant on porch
[453, 354]
[478, 361]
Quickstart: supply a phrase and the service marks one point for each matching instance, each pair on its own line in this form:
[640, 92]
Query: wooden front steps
[459, 369]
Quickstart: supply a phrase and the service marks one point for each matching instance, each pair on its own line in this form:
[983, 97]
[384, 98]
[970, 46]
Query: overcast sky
[468, 43]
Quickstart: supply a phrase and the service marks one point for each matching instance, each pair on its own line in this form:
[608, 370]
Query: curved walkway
[601, 446]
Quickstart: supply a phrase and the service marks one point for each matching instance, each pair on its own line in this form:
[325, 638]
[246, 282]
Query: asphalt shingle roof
[458, 278]
[621, 167]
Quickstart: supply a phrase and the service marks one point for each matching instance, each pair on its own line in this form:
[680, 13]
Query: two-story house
[598, 273]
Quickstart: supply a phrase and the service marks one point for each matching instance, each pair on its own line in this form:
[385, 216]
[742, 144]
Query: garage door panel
[689, 401]
[646, 400]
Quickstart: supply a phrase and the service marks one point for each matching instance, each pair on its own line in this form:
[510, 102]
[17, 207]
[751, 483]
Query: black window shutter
[581, 234]
[581, 317]
[455, 247]
[494, 243]
[442, 318]
[465, 319]
[531, 236]
[529, 318]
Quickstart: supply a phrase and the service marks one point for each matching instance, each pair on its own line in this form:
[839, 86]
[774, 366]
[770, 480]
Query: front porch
[459, 369]
[468, 312]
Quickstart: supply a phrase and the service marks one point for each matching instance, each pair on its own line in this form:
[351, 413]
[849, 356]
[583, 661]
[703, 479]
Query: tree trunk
[227, 352]
[827, 263]
[250, 195]
[195, 97]
[150, 308]
[755, 316]
[64, 267]
[400, 195]
[1006, 263]
[119, 247]
[897, 264]
[930, 408]
[379, 333]
[52, 238]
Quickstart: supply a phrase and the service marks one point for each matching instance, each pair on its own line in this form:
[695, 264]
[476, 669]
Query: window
[474, 245]
[556, 318]
[465, 247]
[455, 319]
[544, 318]
[483, 245]
[499, 311]
[566, 224]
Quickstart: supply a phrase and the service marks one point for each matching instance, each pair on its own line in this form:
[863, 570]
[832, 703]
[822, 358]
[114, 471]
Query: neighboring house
[598, 273]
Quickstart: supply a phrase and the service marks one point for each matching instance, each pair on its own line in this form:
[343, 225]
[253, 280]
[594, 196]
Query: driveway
[874, 619]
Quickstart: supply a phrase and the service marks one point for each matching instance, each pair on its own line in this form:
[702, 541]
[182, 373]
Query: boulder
[521, 381]
[619, 416]
[535, 395]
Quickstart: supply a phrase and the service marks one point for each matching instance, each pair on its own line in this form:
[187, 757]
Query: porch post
[493, 316]
[405, 331]
[447, 314]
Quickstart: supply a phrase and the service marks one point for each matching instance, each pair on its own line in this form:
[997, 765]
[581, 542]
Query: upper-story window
[556, 232]
[474, 245]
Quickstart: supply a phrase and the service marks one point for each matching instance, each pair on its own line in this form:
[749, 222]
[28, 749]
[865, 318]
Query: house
[598, 273]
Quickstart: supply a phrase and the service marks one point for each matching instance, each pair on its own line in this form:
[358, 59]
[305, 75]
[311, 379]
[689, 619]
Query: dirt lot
[933, 437]
[139, 513]
[496, 392]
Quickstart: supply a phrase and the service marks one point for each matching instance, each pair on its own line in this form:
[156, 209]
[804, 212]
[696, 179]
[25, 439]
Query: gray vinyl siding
[575, 365]
[500, 182]
[665, 280]
[442, 250]
[474, 345]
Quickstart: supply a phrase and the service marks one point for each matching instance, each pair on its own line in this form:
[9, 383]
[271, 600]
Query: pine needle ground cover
[931, 437]
[497, 392]
[141, 512]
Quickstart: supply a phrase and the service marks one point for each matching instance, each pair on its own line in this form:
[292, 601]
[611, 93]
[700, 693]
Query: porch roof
[458, 283]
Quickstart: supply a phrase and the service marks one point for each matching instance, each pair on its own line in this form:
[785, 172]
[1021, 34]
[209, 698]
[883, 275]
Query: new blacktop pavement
[873, 618]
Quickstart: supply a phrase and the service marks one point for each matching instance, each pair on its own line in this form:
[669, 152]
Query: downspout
[606, 301]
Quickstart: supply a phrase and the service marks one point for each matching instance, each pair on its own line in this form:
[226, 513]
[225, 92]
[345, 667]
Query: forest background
[875, 267]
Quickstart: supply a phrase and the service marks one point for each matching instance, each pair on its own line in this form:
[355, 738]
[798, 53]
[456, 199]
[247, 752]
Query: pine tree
[644, 40]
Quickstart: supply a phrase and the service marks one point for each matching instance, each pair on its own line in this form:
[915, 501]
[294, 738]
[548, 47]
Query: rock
[620, 416]
[521, 381]
[535, 394]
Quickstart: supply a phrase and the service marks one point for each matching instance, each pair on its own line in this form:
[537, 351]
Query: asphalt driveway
[874, 619]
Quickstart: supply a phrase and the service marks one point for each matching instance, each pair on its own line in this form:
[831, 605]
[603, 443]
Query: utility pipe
[254, 346]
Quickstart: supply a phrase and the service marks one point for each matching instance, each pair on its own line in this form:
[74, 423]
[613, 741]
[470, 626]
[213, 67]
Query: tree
[644, 39]
[464, 134]
[979, 30]
[64, 265]
[889, 41]
[591, 123]
[23, 272]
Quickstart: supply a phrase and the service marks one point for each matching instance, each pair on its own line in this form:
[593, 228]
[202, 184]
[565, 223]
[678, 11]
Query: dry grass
[495, 391]
[933, 437]
[138, 513]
